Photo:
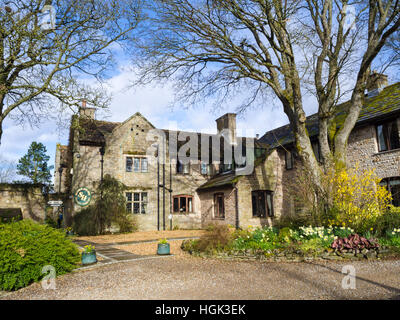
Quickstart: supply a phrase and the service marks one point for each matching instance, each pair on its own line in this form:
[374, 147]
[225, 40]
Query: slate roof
[386, 103]
[93, 131]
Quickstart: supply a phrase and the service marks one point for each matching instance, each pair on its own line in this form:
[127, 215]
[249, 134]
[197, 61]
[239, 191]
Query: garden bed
[302, 244]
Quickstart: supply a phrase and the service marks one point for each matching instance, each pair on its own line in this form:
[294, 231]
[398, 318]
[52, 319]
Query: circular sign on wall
[83, 196]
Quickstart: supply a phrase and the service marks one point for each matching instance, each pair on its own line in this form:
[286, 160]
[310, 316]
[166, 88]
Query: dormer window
[388, 136]
[182, 168]
[317, 150]
[289, 159]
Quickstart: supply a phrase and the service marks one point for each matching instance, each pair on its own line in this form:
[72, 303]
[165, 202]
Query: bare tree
[7, 171]
[214, 48]
[46, 46]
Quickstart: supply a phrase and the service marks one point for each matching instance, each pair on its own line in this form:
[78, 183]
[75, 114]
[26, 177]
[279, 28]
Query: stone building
[214, 189]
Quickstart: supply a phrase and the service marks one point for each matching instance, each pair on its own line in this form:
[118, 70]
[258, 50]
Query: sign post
[57, 203]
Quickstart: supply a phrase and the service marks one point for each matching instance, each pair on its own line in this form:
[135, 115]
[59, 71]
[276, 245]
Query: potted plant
[163, 247]
[89, 255]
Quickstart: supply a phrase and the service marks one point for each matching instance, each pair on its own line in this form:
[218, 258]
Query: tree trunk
[349, 123]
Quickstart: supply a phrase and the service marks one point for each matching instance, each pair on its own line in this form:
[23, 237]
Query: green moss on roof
[221, 181]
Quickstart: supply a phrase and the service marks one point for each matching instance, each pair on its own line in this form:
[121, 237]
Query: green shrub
[83, 222]
[314, 246]
[217, 237]
[265, 239]
[51, 222]
[388, 221]
[26, 247]
[343, 232]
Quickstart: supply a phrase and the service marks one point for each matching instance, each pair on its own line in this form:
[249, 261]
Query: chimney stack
[228, 122]
[376, 82]
[88, 113]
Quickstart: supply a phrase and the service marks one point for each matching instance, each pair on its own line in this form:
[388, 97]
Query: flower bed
[304, 243]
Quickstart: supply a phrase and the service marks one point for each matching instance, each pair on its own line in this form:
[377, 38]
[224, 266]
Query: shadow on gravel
[384, 286]
[300, 277]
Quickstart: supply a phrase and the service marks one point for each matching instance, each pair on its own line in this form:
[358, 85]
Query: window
[144, 165]
[205, 169]
[225, 168]
[129, 163]
[388, 136]
[183, 204]
[262, 203]
[136, 202]
[289, 159]
[317, 150]
[219, 206]
[393, 186]
[182, 168]
[138, 164]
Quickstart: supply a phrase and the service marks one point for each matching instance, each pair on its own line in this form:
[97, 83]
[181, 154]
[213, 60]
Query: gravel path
[143, 236]
[182, 277]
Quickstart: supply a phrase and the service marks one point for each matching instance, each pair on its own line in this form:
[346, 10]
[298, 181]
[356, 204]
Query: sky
[153, 102]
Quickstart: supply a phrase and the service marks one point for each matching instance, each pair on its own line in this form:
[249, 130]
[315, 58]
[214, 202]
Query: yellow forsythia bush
[357, 198]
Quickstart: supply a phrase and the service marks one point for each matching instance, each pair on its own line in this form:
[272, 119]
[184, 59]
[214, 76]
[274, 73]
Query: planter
[163, 249]
[89, 257]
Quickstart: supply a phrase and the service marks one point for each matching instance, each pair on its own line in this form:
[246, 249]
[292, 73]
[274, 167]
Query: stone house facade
[213, 190]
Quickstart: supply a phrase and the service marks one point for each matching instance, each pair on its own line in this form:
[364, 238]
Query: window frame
[207, 169]
[186, 197]
[386, 183]
[386, 136]
[126, 164]
[141, 202]
[217, 214]
[183, 167]
[138, 169]
[291, 158]
[269, 209]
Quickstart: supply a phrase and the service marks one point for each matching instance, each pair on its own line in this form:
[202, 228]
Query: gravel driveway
[195, 278]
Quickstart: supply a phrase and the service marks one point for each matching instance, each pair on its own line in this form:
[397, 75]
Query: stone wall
[264, 177]
[207, 206]
[29, 199]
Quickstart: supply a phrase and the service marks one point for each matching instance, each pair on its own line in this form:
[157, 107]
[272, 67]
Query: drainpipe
[237, 207]
[163, 186]
[158, 189]
[102, 153]
[170, 193]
